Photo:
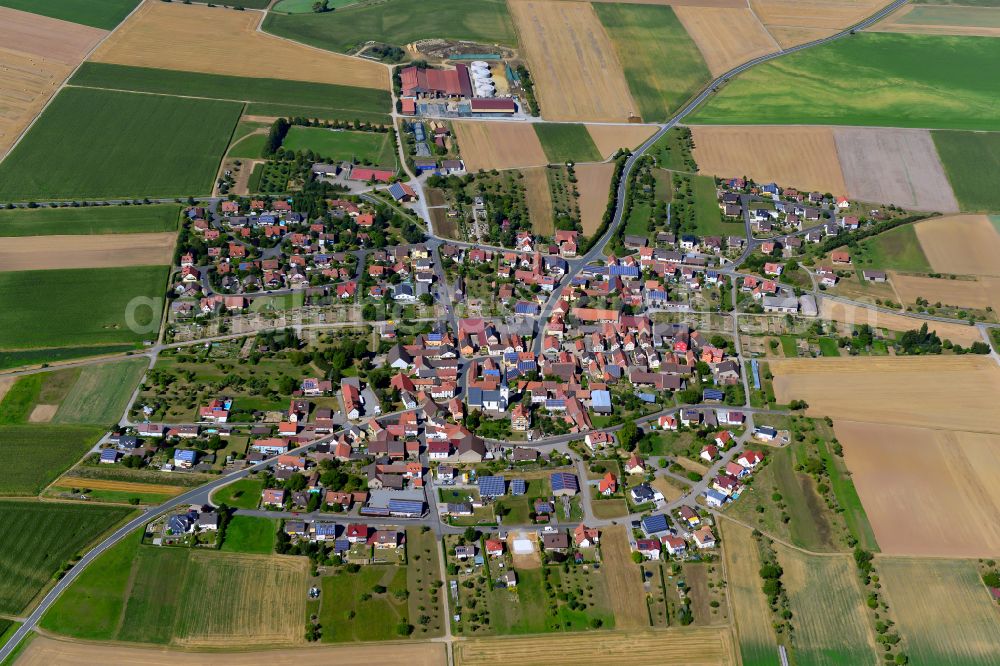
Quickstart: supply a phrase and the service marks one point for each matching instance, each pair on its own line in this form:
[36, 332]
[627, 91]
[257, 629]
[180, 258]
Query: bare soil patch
[539, 200]
[726, 37]
[980, 293]
[573, 62]
[898, 166]
[855, 314]
[926, 491]
[498, 145]
[44, 651]
[48, 38]
[27, 253]
[524, 560]
[198, 38]
[609, 138]
[690, 465]
[669, 491]
[42, 413]
[5, 384]
[961, 245]
[628, 599]
[594, 185]
[926, 391]
[802, 157]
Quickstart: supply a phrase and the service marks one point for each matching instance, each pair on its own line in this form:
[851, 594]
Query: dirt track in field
[726, 37]
[213, 40]
[855, 314]
[594, 185]
[802, 157]
[573, 62]
[44, 651]
[27, 253]
[609, 138]
[961, 245]
[898, 166]
[498, 145]
[926, 491]
[37, 53]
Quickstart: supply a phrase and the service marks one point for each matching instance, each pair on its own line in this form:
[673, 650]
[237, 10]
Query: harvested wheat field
[628, 599]
[610, 138]
[197, 38]
[792, 36]
[682, 3]
[905, 390]
[800, 21]
[942, 610]
[897, 166]
[926, 491]
[943, 20]
[37, 55]
[45, 651]
[962, 245]
[28, 253]
[771, 154]
[670, 647]
[593, 181]
[726, 37]
[752, 614]
[573, 62]
[123, 486]
[539, 200]
[857, 315]
[42, 413]
[979, 293]
[498, 145]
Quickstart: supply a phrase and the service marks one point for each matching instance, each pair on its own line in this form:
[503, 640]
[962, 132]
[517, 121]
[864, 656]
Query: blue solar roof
[186, 455]
[418, 131]
[518, 487]
[525, 308]
[713, 394]
[564, 481]
[600, 398]
[628, 271]
[491, 486]
[657, 295]
[396, 190]
[526, 366]
[554, 403]
[655, 523]
[109, 454]
[341, 546]
[406, 506]
[325, 529]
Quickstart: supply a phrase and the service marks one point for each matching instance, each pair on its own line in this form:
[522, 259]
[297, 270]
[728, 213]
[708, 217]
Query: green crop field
[248, 148]
[242, 494]
[15, 359]
[313, 112]
[78, 306]
[972, 162]
[397, 22]
[897, 249]
[101, 393]
[247, 534]
[104, 14]
[848, 498]
[306, 6]
[339, 145]
[662, 64]
[154, 596]
[32, 456]
[99, 143]
[89, 220]
[959, 16]
[970, 3]
[38, 538]
[567, 142]
[707, 214]
[883, 79]
[20, 400]
[346, 101]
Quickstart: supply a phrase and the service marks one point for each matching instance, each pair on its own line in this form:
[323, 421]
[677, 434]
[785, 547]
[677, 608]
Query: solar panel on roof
[518, 487]
[413, 507]
[491, 486]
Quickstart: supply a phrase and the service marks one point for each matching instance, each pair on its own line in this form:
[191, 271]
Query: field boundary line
[763, 26]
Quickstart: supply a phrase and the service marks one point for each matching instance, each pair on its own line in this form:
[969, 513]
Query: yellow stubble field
[979, 293]
[628, 599]
[610, 138]
[856, 314]
[498, 145]
[961, 244]
[726, 37]
[26, 253]
[799, 21]
[594, 185]
[539, 200]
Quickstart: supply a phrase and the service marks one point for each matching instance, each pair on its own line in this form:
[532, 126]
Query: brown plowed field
[593, 181]
[926, 391]
[897, 166]
[855, 314]
[980, 294]
[44, 651]
[962, 245]
[539, 200]
[498, 145]
[27, 253]
[670, 647]
[926, 491]
[573, 62]
[37, 53]
[943, 20]
[609, 138]
[726, 37]
[198, 38]
[802, 157]
[628, 599]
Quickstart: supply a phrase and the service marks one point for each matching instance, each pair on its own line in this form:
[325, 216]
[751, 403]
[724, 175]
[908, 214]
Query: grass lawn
[104, 14]
[897, 249]
[638, 219]
[708, 217]
[339, 145]
[848, 499]
[567, 142]
[423, 571]
[248, 534]
[972, 161]
[312, 97]
[37, 539]
[828, 347]
[248, 148]
[90, 220]
[60, 308]
[313, 112]
[397, 22]
[347, 616]
[242, 494]
[101, 393]
[669, 151]
[98, 143]
[32, 456]
[886, 79]
[662, 64]
[154, 595]
[20, 400]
